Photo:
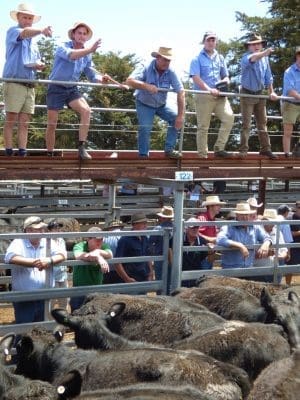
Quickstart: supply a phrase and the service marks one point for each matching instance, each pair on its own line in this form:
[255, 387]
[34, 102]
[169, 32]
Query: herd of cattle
[226, 339]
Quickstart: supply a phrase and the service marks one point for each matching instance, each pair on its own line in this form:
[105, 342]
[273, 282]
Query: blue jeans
[29, 311]
[145, 115]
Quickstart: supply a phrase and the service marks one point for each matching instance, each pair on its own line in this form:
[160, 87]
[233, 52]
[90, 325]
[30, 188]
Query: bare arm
[122, 274]
[204, 86]
[40, 263]
[260, 54]
[135, 84]
[294, 93]
[30, 32]
[78, 53]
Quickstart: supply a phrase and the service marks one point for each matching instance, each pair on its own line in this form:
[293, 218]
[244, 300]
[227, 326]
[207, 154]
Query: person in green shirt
[94, 250]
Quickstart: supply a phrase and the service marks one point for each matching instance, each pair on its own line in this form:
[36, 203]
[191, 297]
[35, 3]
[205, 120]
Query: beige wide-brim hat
[243, 208]
[270, 213]
[165, 52]
[76, 25]
[253, 202]
[212, 201]
[24, 9]
[34, 222]
[254, 38]
[166, 212]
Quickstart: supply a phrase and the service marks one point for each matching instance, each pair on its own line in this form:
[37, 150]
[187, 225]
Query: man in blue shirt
[255, 77]
[134, 246]
[147, 80]
[208, 70]
[71, 60]
[238, 238]
[291, 109]
[22, 61]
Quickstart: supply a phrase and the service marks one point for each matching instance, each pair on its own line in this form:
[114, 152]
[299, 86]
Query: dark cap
[254, 38]
[282, 209]
[54, 224]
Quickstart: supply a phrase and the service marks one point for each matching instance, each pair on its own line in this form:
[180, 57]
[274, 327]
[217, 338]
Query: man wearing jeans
[256, 76]
[150, 101]
[208, 71]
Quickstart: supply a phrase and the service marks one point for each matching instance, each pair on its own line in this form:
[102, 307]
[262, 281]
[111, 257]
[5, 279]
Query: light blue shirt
[291, 80]
[255, 75]
[167, 80]
[249, 236]
[65, 69]
[20, 52]
[211, 69]
[29, 278]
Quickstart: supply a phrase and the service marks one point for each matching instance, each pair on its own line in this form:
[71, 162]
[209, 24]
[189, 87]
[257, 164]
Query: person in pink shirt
[213, 206]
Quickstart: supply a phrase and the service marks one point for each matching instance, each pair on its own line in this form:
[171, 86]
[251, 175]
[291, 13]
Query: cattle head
[284, 309]
[90, 332]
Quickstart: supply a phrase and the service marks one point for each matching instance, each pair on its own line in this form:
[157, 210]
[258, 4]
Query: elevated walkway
[109, 166]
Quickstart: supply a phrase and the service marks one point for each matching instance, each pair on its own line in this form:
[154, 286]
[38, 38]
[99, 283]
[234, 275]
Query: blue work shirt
[255, 75]
[20, 52]
[134, 246]
[65, 69]
[149, 74]
[211, 69]
[291, 80]
[248, 236]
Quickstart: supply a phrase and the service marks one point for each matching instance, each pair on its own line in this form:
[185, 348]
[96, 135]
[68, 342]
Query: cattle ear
[7, 342]
[25, 345]
[265, 298]
[116, 309]
[293, 297]
[64, 318]
[70, 385]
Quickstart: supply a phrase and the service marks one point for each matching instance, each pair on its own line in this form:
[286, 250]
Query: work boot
[83, 154]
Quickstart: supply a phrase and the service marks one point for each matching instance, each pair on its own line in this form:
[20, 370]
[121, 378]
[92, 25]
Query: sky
[140, 27]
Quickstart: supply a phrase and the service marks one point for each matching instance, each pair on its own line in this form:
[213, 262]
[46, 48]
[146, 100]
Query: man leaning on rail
[29, 272]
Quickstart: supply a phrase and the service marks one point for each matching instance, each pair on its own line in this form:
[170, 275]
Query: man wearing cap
[150, 101]
[134, 246]
[282, 252]
[255, 77]
[29, 272]
[96, 252]
[165, 221]
[72, 59]
[237, 238]
[291, 108]
[295, 252]
[22, 61]
[208, 70]
[61, 271]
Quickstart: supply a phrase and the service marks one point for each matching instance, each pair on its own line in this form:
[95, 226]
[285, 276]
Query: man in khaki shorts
[22, 62]
[291, 109]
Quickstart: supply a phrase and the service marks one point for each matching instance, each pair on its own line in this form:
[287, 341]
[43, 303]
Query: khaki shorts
[290, 112]
[18, 98]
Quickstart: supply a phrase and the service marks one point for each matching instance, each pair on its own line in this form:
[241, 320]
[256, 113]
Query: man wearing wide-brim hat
[254, 205]
[291, 108]
[150, 101]
[72, 59]
[238, 239]
[134, 246]
[22, 61]
[256, 76]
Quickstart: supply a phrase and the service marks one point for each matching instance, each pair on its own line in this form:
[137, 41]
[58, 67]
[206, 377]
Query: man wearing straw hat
[72, 59]
[238, 238]
[150, 101]
[22, 61]
[255, 77]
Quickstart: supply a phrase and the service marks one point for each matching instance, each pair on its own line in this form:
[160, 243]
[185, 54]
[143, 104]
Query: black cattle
[279, 381]
[16, 387]
[48, 361]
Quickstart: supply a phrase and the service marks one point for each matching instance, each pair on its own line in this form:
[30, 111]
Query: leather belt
[251, 91]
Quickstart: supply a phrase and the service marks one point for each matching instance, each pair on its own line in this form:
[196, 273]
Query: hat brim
[14, 15]
[263, 42]
[256, 206]
[155, 54]
[40, 225]
[138, 221]
[71, 31]
[213, 203]
[165, 216]
[245, 212]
